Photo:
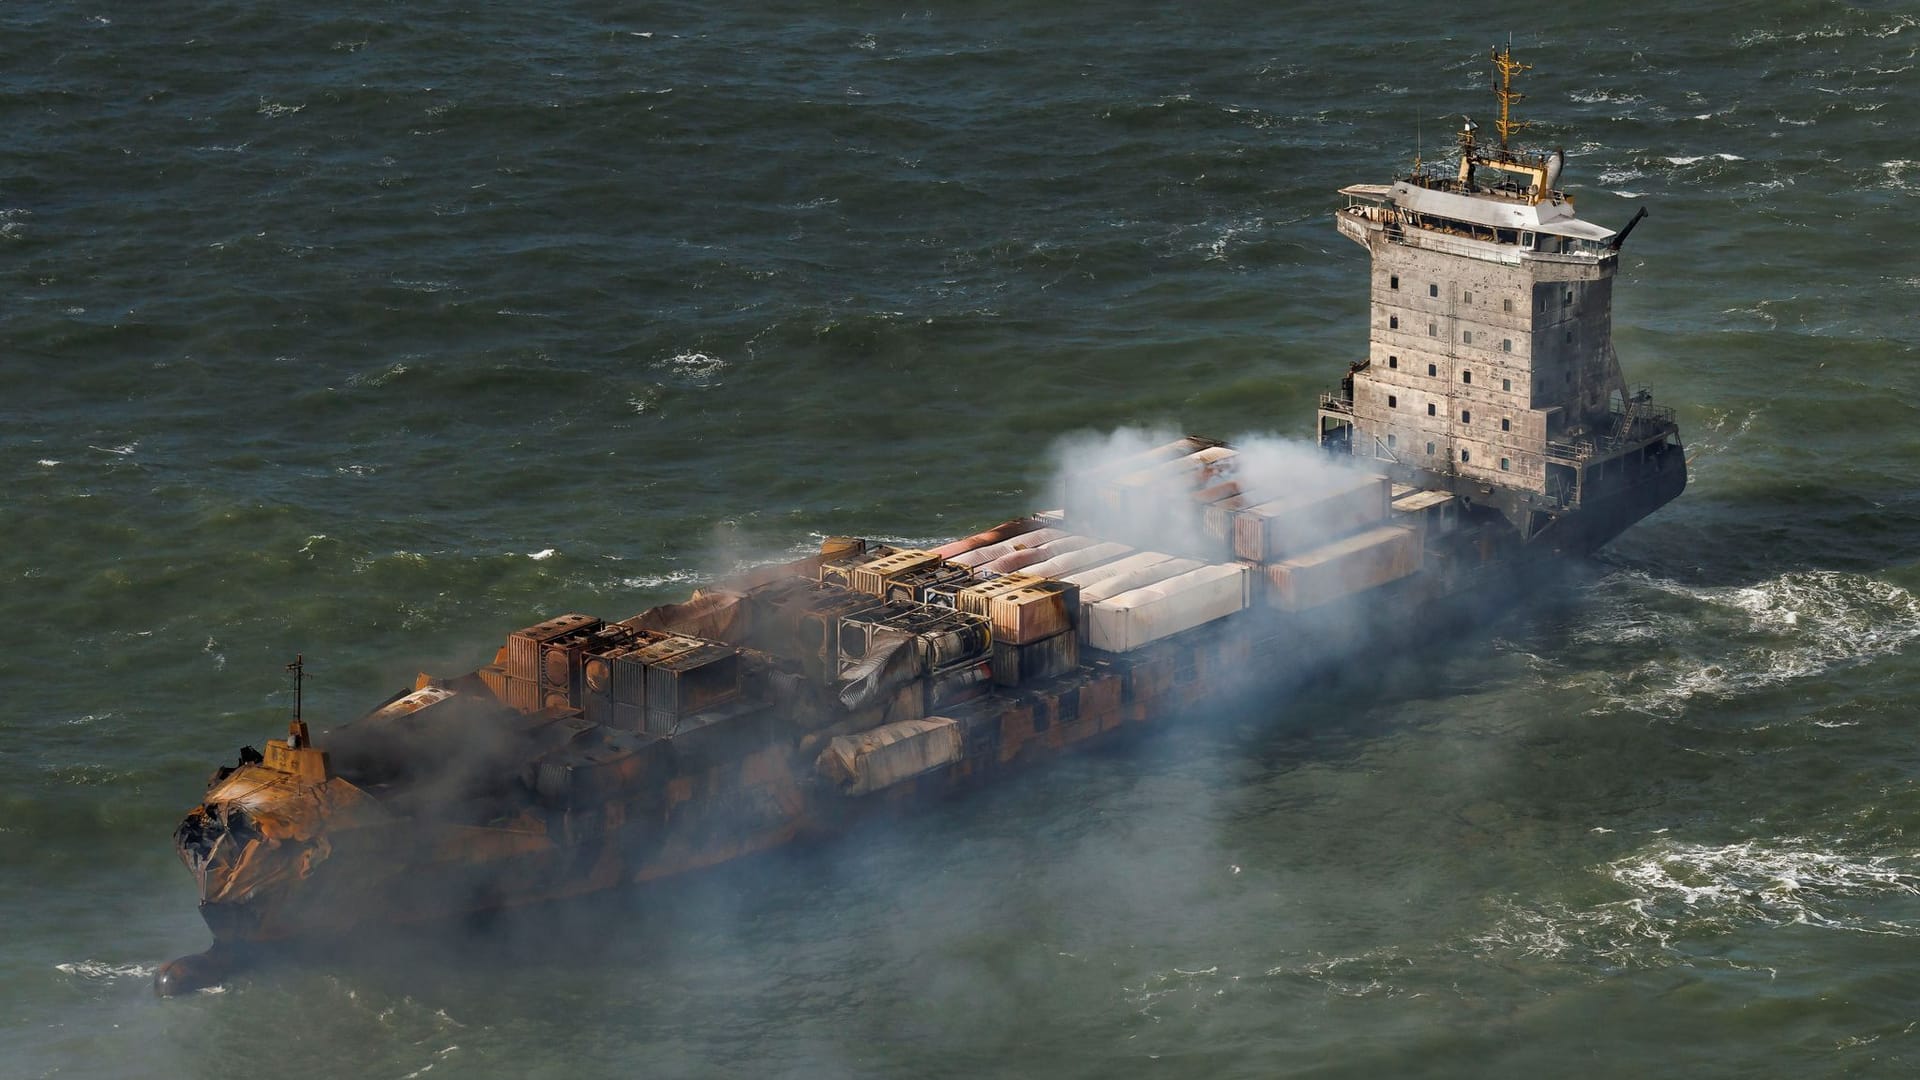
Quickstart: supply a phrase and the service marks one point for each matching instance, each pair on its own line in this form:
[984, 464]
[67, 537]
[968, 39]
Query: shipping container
[890, 754]
[1297, 522]
[688, 683]
[873, 577]
[1084, 558]
[1043, 659]
[1344, 567]
[913, 586]
[1148, 614]
[1085, 490]
[1022, 607]
[1007, 564]
[961, 682]
[1123, 565]
[999, 533]
[713, 614]
[839, 571]
[1141, 577]
[523, 647]
[983, 555]
[523, 694]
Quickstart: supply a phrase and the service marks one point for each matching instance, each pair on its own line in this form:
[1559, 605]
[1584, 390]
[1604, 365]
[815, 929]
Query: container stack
[1033, 621]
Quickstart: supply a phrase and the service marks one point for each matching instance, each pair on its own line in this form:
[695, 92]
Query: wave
[1680, 892]
[1792, 627]
[101, 971]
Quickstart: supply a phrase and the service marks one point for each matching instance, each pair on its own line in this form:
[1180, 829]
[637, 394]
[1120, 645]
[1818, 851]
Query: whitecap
[696, 367]
[1795, 626]
[48, 463]
[100, 970]
[655, 581]
[542, 554]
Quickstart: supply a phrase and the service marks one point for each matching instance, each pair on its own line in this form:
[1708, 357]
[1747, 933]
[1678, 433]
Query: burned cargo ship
[1487, 426]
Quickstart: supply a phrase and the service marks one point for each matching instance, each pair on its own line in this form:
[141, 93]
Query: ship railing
[1573, 453]
[1334, 403]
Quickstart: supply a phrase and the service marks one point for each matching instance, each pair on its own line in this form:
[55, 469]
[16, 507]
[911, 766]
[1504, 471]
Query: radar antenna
[1505, 67]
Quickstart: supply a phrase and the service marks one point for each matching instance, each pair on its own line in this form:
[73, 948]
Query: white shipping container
[1092, 574]
[1136, 579]
[1061, 565]
[1146, 615]
[1020, 560]
[982, 556]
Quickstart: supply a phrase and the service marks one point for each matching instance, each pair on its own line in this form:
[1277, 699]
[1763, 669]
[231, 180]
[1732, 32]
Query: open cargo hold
[981, 556]
[1145, 615]
[1019, 560]
[1061, 565]
[1139, 578]
[1344, 567]
[1014, 664]
[1300, 521]
[1023, 608]
[885, 756]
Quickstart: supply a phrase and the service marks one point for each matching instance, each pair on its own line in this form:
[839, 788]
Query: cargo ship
[1488, 428]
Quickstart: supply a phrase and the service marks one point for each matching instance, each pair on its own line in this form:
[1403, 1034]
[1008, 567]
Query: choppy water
[375, 333]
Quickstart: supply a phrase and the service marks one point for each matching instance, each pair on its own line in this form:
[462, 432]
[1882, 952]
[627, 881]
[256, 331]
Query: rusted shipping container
[961, 682]
[890, 754]
[1148, 614]
[874, 577]
[689, 682]
[1004, 531]
[913, 586]
[1346, 566]
[1023, 608]
[1298, 522]
[839, 571]
[1046, 658]
[1007, 564]
[523, 647]
[981, 556]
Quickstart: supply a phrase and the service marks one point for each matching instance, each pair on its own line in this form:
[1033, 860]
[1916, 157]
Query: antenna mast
[1506, 67]
[297, 731]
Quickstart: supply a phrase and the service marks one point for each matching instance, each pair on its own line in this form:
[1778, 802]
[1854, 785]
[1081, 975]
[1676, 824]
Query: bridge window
[1429, 449]
[1506, 344]
[1393, 282]
[1466, 417]
[1466, 455]
[1467, 297]
[1393, 361]
[1392, 441]
[1568, 299]
[1466, 376]
[1466, 337]
[1393, 402]
[1506, 423]
[1507, 305]
[1430, 409]
[1432, 370]
[1507, 385]
[1433, 329]
[1434, 290]
[1503, 465]
[1393, 322]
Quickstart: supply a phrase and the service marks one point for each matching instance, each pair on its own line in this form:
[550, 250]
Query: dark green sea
[373, 332]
